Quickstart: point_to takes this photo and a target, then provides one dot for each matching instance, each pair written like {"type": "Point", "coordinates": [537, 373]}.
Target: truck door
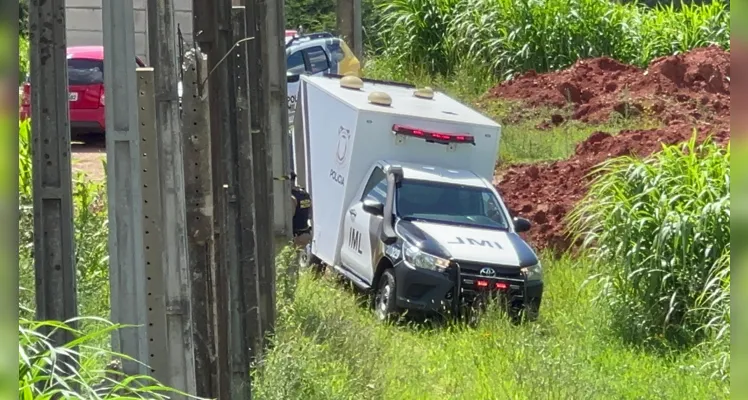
{"type": "Point", "coordinates": [360, 228]}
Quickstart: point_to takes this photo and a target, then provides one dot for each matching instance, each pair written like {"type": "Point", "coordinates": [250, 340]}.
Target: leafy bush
{"type": "Point", "coordinates": [509, 37]}
{"type": "Point", "coordinates": [659, 231]}
{"type": "Point", "coordinates": [44, 369]}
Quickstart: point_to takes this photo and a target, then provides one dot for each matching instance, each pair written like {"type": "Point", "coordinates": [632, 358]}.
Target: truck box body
{"type": "Point", "coordinates": [344, 135]}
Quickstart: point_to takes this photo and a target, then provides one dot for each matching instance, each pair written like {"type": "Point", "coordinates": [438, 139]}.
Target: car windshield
{"type": "Point", "coordinates": [85, 72]}
{"type": "Point", "coordinates": [449, 204]}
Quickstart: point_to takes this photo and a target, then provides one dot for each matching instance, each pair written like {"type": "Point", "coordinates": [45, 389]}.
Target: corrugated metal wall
{"type": "Point", "coordinates": [84, 24]}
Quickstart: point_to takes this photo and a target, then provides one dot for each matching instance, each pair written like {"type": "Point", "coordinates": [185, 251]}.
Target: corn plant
{"type": "Point", "coordinates": [74, 371]}
{"type": "Point", "coordinates": [412, 32]}
{"type": "Point", "coordinates": [659, 231]}
{"type": "Point", "coordinates": [510, 37]}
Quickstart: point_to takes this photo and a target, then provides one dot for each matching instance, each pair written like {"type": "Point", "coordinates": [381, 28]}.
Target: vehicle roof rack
{"type": "Point", "coordinates": [310, 36]}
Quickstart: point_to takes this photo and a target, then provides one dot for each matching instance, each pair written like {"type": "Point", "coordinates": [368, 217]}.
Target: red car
{"type": "Point", "coordinates": [85, 90]}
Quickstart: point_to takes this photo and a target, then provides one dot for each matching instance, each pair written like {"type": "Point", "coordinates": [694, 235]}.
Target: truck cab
{"type": "Point", "coordinates": [447, 225]}
{"type": "Point", "coordinates": [402, 200]}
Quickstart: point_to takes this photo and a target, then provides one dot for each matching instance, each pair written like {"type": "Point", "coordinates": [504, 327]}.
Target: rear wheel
{"type": "Point", "coordinates": [309, 260]}
{"type": "Point", "coordinates": [385, 307]}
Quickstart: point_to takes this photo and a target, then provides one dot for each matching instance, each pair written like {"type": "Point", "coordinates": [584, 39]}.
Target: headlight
{"type": "Point", "coordinates": [533, 273]}
{"type": "Point", "coordinates": [414, 257]}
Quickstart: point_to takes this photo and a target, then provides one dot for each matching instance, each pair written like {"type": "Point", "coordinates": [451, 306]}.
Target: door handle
{"type": "Point", "coordinates": [352, 212]}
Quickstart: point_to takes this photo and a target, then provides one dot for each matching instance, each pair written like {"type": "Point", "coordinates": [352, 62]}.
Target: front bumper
{"type": "Point", "coordinates": [431, 291]}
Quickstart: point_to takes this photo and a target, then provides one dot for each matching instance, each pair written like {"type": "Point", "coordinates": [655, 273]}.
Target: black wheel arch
{"type": "Point", "coordinates": [384, 263]}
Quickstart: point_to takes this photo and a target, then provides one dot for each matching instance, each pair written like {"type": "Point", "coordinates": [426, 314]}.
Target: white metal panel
{"type": "Point", "coordinates": [332, 132]}
{"type": "Point", "coordinates": [441, 108]}
{"type": "Point", "coordinates": [380, 143]}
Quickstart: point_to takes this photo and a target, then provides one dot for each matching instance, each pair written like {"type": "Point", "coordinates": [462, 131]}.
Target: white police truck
{"type": "Point", "coordinates": [403, 205]}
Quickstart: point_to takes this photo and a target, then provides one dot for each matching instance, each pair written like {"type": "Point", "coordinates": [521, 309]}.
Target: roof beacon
{"type": "Point", "coordinates": [424, 93]}
{"type": "Point", "coordinates": [380, 99]}
{"type": "Point", "coordinates": [433, 137]}
{"type": "Point", "coordinates": [351, 82]}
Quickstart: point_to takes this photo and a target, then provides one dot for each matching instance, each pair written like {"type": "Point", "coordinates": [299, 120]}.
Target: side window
{"type": "Point", "coordinates": [295, 63]}
{"type": "Point", "coordinates": [337, 53]}
{"type": "Point", "coordinates": [317, 59]}
{"type": "Point", "coordinates": [376, 187]}
{"type": "Point", "coordinates": [491, 209]}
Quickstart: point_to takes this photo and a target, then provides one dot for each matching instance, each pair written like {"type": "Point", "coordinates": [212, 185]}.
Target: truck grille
{"type": "Point", "coordinates": [507, 282]}
{"type": "Point", "coordinates": [501, 271]}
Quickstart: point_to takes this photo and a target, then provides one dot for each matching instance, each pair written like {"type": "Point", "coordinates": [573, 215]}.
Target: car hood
{"type": "Point", "coordinates": [469, 244]}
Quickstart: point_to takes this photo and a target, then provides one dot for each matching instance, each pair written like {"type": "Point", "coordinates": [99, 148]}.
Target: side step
{"type": "Point", "coordinates": [352, 277]}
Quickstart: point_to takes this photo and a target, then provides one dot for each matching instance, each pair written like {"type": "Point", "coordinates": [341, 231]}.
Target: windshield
{"type": "Point", "coordinates": [450, 204]}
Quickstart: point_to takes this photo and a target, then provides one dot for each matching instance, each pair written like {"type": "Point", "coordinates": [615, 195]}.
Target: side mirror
{"type": "Point", "coordinates": [292, 78]}
{"type": "Point", "coordinates": [521, 224]}
{"type": "Point", "coordinates": [373, 207]}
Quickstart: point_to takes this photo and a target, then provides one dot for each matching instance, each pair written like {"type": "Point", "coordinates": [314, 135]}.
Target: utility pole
{"type": "Point", "coordinates": [124, 195]}
{"type": "Point", "coordinates": [162, 52]}
{"type": "Point", "coordinates": [349, 25]}
{"type": "Point", "coordinates": [152, 229]}
{"type": "Point", "coordinates": [205, 27]}
{"type": "Point", "coordinates": [269, 120]}
{"type": "Point", "coordinates": [223, 88]}
{"type": "Point", "coordinates": [199, 199]}
{"type": "Point", "coordinates": [245, 183]}
{"type": "Point", "coordinates": [54, 256]}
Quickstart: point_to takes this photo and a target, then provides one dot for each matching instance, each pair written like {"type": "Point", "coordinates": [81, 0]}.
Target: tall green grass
{"type": "Point", "coordinates": [504, 37]}
{"type": "Point", "coordinates": [659, 232]}
{"type": "Point", "coordinates": [74, 371]}
{"type": "Point", "coordinates": [329, 347]}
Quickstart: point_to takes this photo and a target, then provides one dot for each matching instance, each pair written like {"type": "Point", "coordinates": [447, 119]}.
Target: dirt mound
{"type": "Point", "coordinates": [546, 193]}
{"type": "Point", "coordinates": [693, 87]}
{"type": "Point", "coordinates": [686, 92]}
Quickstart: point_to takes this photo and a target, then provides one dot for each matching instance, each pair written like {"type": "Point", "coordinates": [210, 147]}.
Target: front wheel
{"type": "Point", "coordinates": [385, 307]}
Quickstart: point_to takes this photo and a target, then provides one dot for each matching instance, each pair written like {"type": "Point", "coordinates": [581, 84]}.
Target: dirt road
{"type": "Point", "coordinates": [88, 158]}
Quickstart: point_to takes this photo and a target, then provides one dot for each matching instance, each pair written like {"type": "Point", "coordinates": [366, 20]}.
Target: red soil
{"type": "Point", "coordinates": [686, 92]}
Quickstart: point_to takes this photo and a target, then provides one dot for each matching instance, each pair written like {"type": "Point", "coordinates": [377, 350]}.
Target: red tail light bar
{"type": "Point", "coordinates": [433, 137]}
{"type": "Point", "coordinates": [484, 284]}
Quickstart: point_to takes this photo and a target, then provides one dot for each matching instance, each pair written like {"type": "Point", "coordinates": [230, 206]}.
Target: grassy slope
{"type": "Point", "coordinates": [329, 347]}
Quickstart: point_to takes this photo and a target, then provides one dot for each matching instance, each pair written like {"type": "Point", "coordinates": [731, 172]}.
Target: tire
{"type": "Point", "coordinates": [385, 297]}
{"type": "Point", "coordinates": [309, 260]}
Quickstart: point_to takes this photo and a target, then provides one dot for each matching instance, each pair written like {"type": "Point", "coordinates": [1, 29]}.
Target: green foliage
{"type": "Point", "coordinates": [25, 182]}
{"type": "Point", "coordinates": [23, 58]}
{"type": "Point", "coordinates": [510, 37]}
{"type": "Point", "coordinates": [42, 365]}
{"type": "Point", "coordinates": [91, 235]}
{"type": "Point", "coordinates": [659, 232]}
{"type": "Point", "coordinates": [44, 368]}
{"type": "Point", "coordinates": [320, 15]}
{"type": "Point", "coordinates": [328, 346]}
{"type": "Point", "coordinates": [23, 18]}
